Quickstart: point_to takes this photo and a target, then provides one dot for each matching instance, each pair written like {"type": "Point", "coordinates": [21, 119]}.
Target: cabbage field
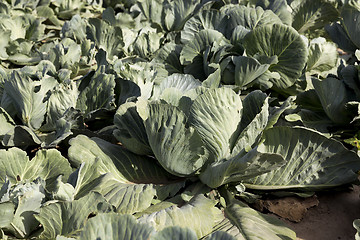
{"type": "Point", "coordinates": [170, 119]}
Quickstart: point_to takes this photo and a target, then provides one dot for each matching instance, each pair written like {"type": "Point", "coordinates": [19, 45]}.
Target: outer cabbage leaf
{"type": "Point", "coordinates": [245, 223]}
{"type": "Point", "coordinates": [182, 82]}
{"type": "Point", "coordinates": [63, 97]}
{"type": "Point", "coordinates": [247, 70]}
{"type": "Point", "coordinates": [6, 122]}
{"type": "Point", "coordinates": [279, 7]}
{"type": "Point", "coordinates": [333, 107]}
{"type": "Point", "coordinates": [339, 36]}
{"type": "Point", "coordinates": [239, 168]}
{"type": "Point", "coordinates": [175, 233]}
{"type": "Point", "coordinates": [47, 164]}
{"type": "Point", "coordinates": [152, 10]}
{"type": "Point", "coordinates": [253, 122]}
{"type": "Point", "coordinates": [350, 76]}
{"type": "Point", "coordinates": [172, 89]}
{"type": "Point", "coordinates": [205, 19]}
{"type": "Point", "coordinates": [7, 210]}
{"type": "Point", "coordinates": [199, 214]}
{"type": "Point", "coordinates": [322, 56]}
{"type": "Point", "coordinates": [147, 43]}
{"type": "Point", "coordinates": [220, 235]}
{"type": "Point", "coordinates": [128, 181]}
{"type": "Point", "coordinates": [28, 198]}
{"type": "Point", "coordinates": [131, 130]}
{"type": "Point", "coordinates": [216, 115]}
{"type": "Point", "coordinates": [248, 17]}
{"type": "Point", "coordinates": [178, 148]}
{"type": "Point", "coordinates": [194, 55]}
{"type": "Point", "coordinates": [98, 93]}
{"type": "Point", "coordinates": [312, 161]}
{"type": "Point", "coordinates": [68, 218]}
{"type": "Point", "coordinates": [105, 36]}
{"type": "Point", "coordinates": [115, 226]}
{"type": "Point", "coordinates": [141, 73]}
{"type": "Point", "coordinates": [351, 18]}
{"type": "Point", "coordinates": [177, 12]}
{"type": "Point", "coordinates": [285, 43]}
{"type": "Point", "coordinates": [20, 136]}
{"type": "Point", "coordinates": [168, 56]}
{"type": "Point", "coordinates": [28, 97]}
{"type": "Point", "coordinates": [67, 8]}
{"type": "Point", "coordinates": [74, 28]}
{"type": "Point", "coordinates": [25, 26]}
{"type": "Point", "coordinates": [313, 15]}
{"type": "Point", "coordinates": [64, 55]}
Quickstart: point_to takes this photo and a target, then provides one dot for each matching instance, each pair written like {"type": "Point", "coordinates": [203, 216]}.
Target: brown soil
{"type": "Point", "coordinates": [331, 219]}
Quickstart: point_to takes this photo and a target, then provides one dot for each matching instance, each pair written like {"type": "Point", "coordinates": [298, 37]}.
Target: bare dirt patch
{"type": "Point", "coordinates": [331, 219]}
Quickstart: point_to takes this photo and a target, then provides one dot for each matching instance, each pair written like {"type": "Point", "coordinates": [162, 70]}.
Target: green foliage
{"type": "Point", "coordinates": [142, 119]}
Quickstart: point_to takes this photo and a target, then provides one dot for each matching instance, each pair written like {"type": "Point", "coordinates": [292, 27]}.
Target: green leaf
{"type": "Point", "coordinates": [247, 70]}
{"type": "Point", "coordinates": [221, 235]}
{"type": "Point", "coordinates": [65, 54]}
{"type": "Point", "coordinates": [216, 115]}
{"type": "Point", "coordinates": [251, 224]}
{"type": "Point", "coordinates": [312, 15]}
{"type": "Point", "coordinates": [20, 136]}
{"type": "Point", "coordinates": [105, 36]}
{"type": "Point", "coordinates": [62, 191]}
{"type": "Point", "coordinates": [152, 10]}
{"type": "Point", "coordinates": [322, 56]}
{"type": "Point", "coordinates": [339, 36]}
{"type": "Point", "coordinates": [174, 87]}
{"type": "Point", "coordinates": [98, 93]}
{"type": "Point", "coordinates": [198, 44]}
{"type": "Point", "coordinates": [147, 43]}
{"type": "Point", "coordinates": [68, 218]}
{"type": "Point", "coordinates": [63, 97]}
{"type": "Point", "coordinates": [28, 198]}
{"type": "Point", "coordinates": [169, 56]}
{"type": "Point", "coordinates": [6, 122]}
{"type": "Point", "coordinates": [7, 210]}
{"type": "Point", "coordinates": [194, 54]}
{"type": "Point", "coordinates": [248, 17]}
{"type": "Point", "coordinates": [351, 17]}
{"type": "Point", "coordinates": [115, 226]}
{"type": "Point", "coordinates": [28, 97]}
{"type": "Point", "coordinates": [14, 162]}
{"type": "Point", "coordinates": [47, 164]}
{"type": "Point", "coordinates": [312, 161]}
{"type": "Point", "coordinates": [177, 12]}
{"type": "Point", "coordinates": [316, 120]}
{"type": "Point", "coordinates": [175, 233]}
{"type": "Point", "coordinates": [333, 107]}
{"type": "Point", "coordinates": [239, 168]}
{"type": "Point", "coordinates": [128, 181]}
{"type": "Point", "coordinates": [205, 19]}
{"type": "Point", "coordinates": [253, 122]}
{"type": "Point", "coordinates": [75, 29]}
{"type": "Point", "coordinates": [279, 7]}
{"type": "Point", "coordinates": [182, 82]}
{"type": "Point", "coordinates": [131, 130]}
{"type": "Point", "coordinates": [200, 210]}
{"type": "Point", "coordinates": [285, 43]}
{"type": "Point", "coordinates": [178, 148]}
{"type": "Point", "coordinates": [4, 43]}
